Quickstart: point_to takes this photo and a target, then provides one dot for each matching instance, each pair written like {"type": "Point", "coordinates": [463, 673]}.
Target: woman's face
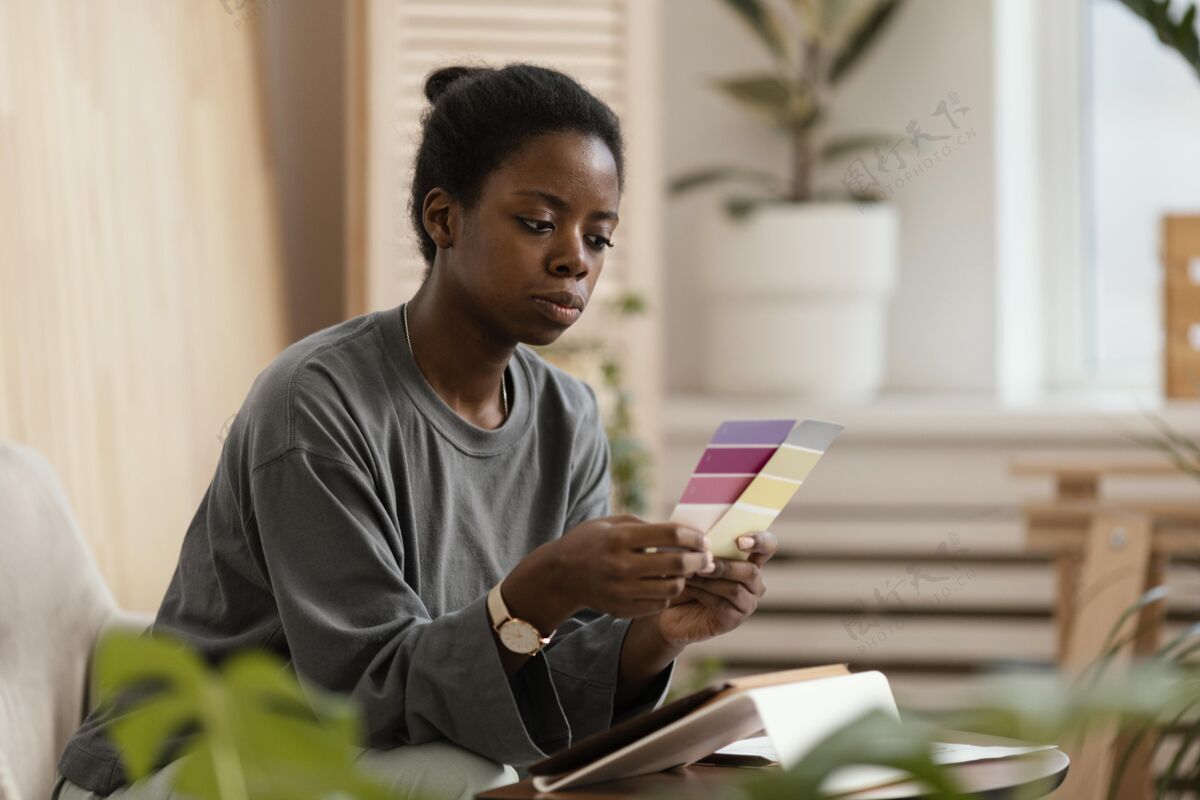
{"type": "Point", "coordinates": [530, 252]}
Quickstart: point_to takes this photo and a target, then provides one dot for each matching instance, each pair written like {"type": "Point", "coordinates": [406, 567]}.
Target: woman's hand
{"type": "Point", "coordinates": [722, 598]}
{"type": "Point", "coordinates": [602, 564]}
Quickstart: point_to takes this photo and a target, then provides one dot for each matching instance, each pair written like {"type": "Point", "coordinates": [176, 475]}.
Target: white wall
{"type": "Point", "coordinates": [943, 321]}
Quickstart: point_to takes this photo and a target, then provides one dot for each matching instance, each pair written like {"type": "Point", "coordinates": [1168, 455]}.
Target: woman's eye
{"type": "Point", "coordinates": [533, 223]}
{"type": "Point", "coordinates": [597, 242]}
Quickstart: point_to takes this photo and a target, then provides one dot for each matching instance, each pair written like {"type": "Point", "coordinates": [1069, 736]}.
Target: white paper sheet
{"type": "Point", "coordinates": [798, 716]}
{"type": "Point", "coordinates": [858, 777]}
{"type": "Point", "coordinates": [754, 746]}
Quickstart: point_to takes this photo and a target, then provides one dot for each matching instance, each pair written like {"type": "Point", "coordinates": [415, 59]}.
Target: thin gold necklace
{"type": "Point", "coordinates": [408, 340]}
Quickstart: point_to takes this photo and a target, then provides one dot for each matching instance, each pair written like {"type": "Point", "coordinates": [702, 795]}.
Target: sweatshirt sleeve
{"type": "Point", "coordinates": [584, 657]}
{"type": "Point", "coordinates": [590, 483]}
{"type": "Point", "coordinates": [353, 625]}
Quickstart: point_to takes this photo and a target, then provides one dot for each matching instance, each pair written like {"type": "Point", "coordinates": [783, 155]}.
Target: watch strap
{"type": "Point", "coordinates": [497, 610]}
{"type": "Point", "coordinates": [499, 614]}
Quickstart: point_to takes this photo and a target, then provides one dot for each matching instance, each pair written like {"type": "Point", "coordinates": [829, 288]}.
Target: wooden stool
{"type": "Point", "coordinates": [1106, 555]}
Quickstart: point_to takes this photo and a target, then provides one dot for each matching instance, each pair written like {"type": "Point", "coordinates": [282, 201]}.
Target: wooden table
{"type": "Point", "coordinates": [1026, 777]}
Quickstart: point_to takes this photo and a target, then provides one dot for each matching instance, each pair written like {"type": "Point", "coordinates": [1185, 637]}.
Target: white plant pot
{"type": "Point", "coordinates": [798, 301]}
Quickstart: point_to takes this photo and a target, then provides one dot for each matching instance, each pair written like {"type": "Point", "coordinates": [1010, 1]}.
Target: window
{"type": "Point", "coordinates": [1139, 160]}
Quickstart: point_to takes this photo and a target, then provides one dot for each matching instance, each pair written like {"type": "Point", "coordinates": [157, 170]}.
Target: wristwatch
{"type": "Point", "coordinates": [515, 634]}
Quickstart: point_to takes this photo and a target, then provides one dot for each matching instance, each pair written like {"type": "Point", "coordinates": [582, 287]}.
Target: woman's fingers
{"type": "Point", "coordinates": [744, 596]}
{"type": "Point", "coordinates": [658, 588]}
{"type": "Point", "coordinates": [683, 597]}
{"type": "Point", "coordinates": [643, 607]}
{"type": "Point", "coordinates": [710, 601]}
{"type": "Point", "coordinates": [733, 596]}
{"type": "Point", "coordinates": [725, 569]}
{"type": "Point", "coordinates": [740, 582]}
{"type": "Point", "coordinates": [684, 562]}
{"type": "Point", "coordinates": [657, 536]}
{"type": "Point", "coordinates": [760, 545]}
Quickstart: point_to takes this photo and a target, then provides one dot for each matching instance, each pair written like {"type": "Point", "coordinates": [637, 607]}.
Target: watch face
{"type": "Point", "coordinates": [520, 637]}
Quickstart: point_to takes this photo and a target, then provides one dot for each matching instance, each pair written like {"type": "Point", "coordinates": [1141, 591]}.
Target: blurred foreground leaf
{"type": "Point", "coordinates": [246, 732]}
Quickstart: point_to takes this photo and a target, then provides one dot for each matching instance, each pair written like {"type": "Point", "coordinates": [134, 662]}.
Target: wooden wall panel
{"type": "Point", "coordinates": [140, 288]}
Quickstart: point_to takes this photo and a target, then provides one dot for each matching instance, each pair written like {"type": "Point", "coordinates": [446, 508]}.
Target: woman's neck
{"type": "Point", "coordinates": [462, 360]}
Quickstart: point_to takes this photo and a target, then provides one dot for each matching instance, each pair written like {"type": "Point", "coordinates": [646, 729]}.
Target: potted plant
{"type": "Point", "coordinates": [801, 275]}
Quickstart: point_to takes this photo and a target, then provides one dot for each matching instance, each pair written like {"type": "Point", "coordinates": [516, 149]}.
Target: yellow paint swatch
{"type": "Point", "coordinates": [769, 492]}
{"type": "Point", "coordinates": [791, 462]}
{"type": "Point", "coordinates": [737, 520]}
{"type": "Point", "coordinates": [760, 503]}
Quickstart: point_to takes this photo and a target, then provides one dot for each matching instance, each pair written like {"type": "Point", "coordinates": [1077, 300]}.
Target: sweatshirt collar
{"type": "Point", "coordinates": [468, 437]}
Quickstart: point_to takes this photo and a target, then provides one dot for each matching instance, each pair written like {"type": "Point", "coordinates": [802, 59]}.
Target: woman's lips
{"type": "Point", "coordinates": [557, 313]}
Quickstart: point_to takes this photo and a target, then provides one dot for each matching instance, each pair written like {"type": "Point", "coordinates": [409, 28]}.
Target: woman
{"type": "Point", "coordinates": [412, 506]}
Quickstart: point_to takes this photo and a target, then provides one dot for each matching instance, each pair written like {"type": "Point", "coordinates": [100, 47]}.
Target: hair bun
{"type": "Point", "coordinates": [438, 81]}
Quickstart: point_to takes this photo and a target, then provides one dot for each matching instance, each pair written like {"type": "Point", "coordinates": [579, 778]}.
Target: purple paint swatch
{"type": "Point", "coordinates": [715, 490]}
{"type": "Point", "coordinates": [759, 431]}
{"type": "Point", "coordinates": [734, 460]}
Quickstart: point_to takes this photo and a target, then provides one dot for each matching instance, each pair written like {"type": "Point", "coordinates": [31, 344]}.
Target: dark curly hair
{"type": "Point", "coordinates": [479, 116]}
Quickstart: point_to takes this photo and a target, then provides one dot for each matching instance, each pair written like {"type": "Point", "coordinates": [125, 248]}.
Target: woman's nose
{"type": "Point", "coordinates": [571, 261]}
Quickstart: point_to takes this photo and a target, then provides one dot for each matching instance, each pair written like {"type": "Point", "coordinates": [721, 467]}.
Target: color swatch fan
{"type": "Point", "coordinates": [748, 473]}
{"type": "Point", "coordinates": [734, 456]}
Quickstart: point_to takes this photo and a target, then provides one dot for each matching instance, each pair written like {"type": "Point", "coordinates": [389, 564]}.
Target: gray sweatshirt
{"type": "Point", "coordinates": [354, 526]}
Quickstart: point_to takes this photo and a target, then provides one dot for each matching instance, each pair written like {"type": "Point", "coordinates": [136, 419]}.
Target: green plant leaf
{"type": "Point", "coordinates": [862, 37]}
{"type": "Point", "coordinates": [125, 660]}
{"type": "Point", "coordinates": [1182, 654]}
{"type": "Point", "coordinates": [1180, 36]}
{"type": "Point", "coordinates": [1191, 633]}
{"type": "Point", "coordinates": [261, 683]}
{"type": "Point", "coordinates": [699, 674]}
{"type": "Point", "coordinates": [142, 734]}
{"type": "Point", "coordinates": [1112, 644]}
{"type": "Point", "coordinates": [765, 23]}
{"type": "Point", "coordinates": [704, 177]}
{"type": "Point", "coordinates": [741, 207]}
{"type": "Point", "coordinates": [151, 685]}
{"type": "Point", "coordinates": [1181, 443]}
{"type": "Point", "coordinates": [769, 95]}
{"type": "Point", "coordinates": [809, 15]}
{"type": "Point", "coordinates": [196, 778]}
{"type": "Point", "coordinates": [1184, 747]}
{"type": "Point", "coordinates": [1125, 757]}
{"type": "Point", "coordinates": [258, 733]}
{"type": "Point", "coordinates": [630, 303]}
{"type": "Point", "coordinates": [1173, 453]}
{"type": "Point", "coordinates": [845, 145]}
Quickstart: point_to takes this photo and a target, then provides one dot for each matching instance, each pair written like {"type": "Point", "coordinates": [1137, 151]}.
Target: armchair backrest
{"type": "Point", "coordinates": [53, 602]}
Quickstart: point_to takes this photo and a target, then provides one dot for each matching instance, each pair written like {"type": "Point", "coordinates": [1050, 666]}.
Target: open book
{"type": "Point", "coordinates": [797, 708]}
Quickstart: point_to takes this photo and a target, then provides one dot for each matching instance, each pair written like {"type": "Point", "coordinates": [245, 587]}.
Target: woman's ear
{"type": "Point", "coordinates": [440, 215]}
